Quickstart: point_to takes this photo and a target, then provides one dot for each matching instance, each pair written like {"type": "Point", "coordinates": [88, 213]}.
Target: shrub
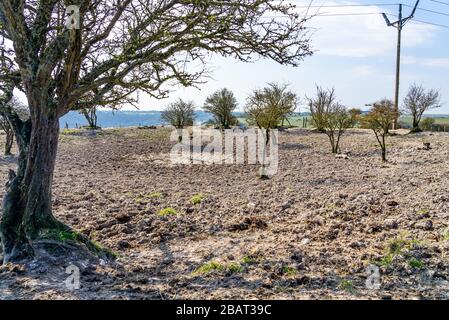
{"type": "Point", "coordinates": [267, 108]}
{"type": "Point", "coordinates": [380, 118]}
{"type": "Point", "coordinates": [221, 104]}
{"type": "Point", "coordinates": [335, 122]}
{"type": "Point", "coordinates": [320, 105]}
{"type": "Point", "coordinates": [355, 114]}
{"type": "Point", "coordinates": [418, 101]}
{"type": "Point", "coordinates": [179, 114]}
{"type": "Point", "coordinates": [427, 124]}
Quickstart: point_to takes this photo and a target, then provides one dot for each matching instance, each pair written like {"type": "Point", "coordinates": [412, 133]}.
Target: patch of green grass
{"type": "Point", "coordinates": [62, 235]}
{"type": "Point", "coordinates": [154, 195]}
{"type": "Point", "coordinates": [197, 199]}
{"type": "Point", "coordinates": [446, 235]}
{"type": "Point", "coordinates": [209, 267]}
{"type": "Point", "coordinates": [220, 267]}
{"type": "Point", "coordinates": [234, 268]}
{"type": "Point", "coordinates": [99, 248]}
{"type": "Point", "coordinates": [249, 260]}
{"type": "Point", "coordinates": [395, 248]}
{"type": "Point", "coordinates": [70, 132]}
{"type": "Point", "coordinates": [416, 264]}
{"type": "Point", "coordinates": [347, 285]}
{"type": "Point", "coordinates": [385, 261]}
{"type": "Point", "coordinates": [144, 198]}
{"type": "Point", "coordinates": [423, 211]}
{"type": "Point", "coordinates": [167, 211]}
{"type": "Point", "coordinates": [289, 271]}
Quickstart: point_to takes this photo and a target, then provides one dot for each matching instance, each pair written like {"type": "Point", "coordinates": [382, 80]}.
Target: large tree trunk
{"type": "Point", "coordinates": [27, 209]}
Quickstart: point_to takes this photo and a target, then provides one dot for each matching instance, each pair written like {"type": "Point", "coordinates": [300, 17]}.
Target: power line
{"type": "Point", "coordinates": [331, 14]}
{"type": "Point", "coordinates": [441, 2]}
{"type": "Point", "coordinates": [346, 14]}
{"type": "Point", "coordinates": [431, 23]}
{"type": "Point", "coordinates": [350, 5]}
{"type": "Point", "coordinates": [427, 10]}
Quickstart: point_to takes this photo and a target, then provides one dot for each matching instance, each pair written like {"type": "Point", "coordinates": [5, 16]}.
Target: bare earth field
{"type": "Point", "coordinates": [308, 233]}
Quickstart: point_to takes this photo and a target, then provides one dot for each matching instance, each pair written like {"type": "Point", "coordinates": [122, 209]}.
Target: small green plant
{"type": "Point", "coordinates": [395, 248]}
{"type": "Point", "coordinates": [347, 285]}
{"type": "Point", "coordinates": [99, 248]}
{"type": "Point", "coordinates": [209, 267]}
{"type": "Point", "coordinates": [129, 194]}
{"type": "Point", "coordinates": [446, 235]}
{"type": "Point", "coordinates": [167, 211]}
{"type": "Point", "coordinates": [197, 199]}
{"type": "Point", "coordinates": [385, 261]}
{"type": "Point", "coordinates": [423, 212]}
{"type": "Point", "coordinates": [62, 235]}
{"type": "Point", "coordinates": [416, 264]}
{"type": "Point", "coordinates": [234, 268]}
{"type": "Point", "coordinates": [249, 260]}
{"type": "Point", "coordinates": [154, 195]}
{"type": "Point", "coordinates": [220, 267]}
{"type": "Point", "coordinates": [289, 271]}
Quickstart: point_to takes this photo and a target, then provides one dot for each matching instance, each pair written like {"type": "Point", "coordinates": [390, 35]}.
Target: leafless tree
{"type": "Point", "coordinates": [418, 101]}
{"type": "Point", "coordinates": [91, 116]}
{"type": "Point", "coordinates": [114, 50]}
{"type": "Point", "coordinates": [320, 105]}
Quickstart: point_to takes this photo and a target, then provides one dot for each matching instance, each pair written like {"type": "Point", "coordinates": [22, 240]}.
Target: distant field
{"type": "Point", "coordinates": [297, 121]}
{"type": "Point", "coordinates": [438, 119]}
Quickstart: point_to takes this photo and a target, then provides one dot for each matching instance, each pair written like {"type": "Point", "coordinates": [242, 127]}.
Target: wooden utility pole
{"type": "Point", "coordinates": [399, 25]}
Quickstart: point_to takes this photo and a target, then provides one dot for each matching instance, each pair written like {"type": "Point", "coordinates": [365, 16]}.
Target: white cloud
{"type": "Point", "coordinates": [360, 35]}
{"type": "Point", "coordinates": [363, 71]}
{"type": "Point", "coordinates": [427, 62]}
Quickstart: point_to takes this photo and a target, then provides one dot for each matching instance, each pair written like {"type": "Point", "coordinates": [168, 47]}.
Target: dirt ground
{"type": "Point", "coordinates": [313, 231]}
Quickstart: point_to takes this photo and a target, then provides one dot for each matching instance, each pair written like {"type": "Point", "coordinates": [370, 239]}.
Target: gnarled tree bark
{"type": "Point", "coordinates": [27, 206]}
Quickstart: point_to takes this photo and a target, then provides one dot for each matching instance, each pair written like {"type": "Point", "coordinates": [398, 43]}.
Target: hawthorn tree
{"type": "Point", "coordinates": [179, 114]}
{"type": "Point", "coordinates": [418, 101]}
{"type": "Point", "coordinates": [355, 114]}
{"type": "Point", "coordinates": [103, 54]}
{"type": "Point", "coordinates": [380, 119]}
{"type": "Point", "coordinates": [91, 117]}
{"type": "Point", "coordinates": [320, 105]}
{"type": "Point", "coordinates": [221, 104]}
{"type": "Point", "coordinates": [266, 108]}
{"type": "Point", "coordinates": [335, 120]}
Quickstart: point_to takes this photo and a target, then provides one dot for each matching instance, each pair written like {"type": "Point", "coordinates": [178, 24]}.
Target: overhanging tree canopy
{"type": "Point", "coordinates": [120, 48]}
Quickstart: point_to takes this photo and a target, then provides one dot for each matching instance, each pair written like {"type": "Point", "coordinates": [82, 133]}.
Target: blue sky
{"type": "Point", "coordinates": [355, 54]}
